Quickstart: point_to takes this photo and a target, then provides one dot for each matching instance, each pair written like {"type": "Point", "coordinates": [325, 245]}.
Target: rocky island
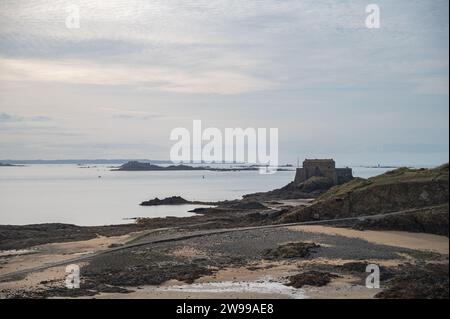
{"type": "Point", "coordinates": [141, 166]}
{"type": "Point", "coordinates": [9, 165]}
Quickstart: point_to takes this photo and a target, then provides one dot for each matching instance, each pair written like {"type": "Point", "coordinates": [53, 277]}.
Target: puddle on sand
{"type": "Point", "coordinates": [259, 287]}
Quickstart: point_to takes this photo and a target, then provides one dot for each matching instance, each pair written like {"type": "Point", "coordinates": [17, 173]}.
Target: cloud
{"type": "Point", "coordinates": [309, 67]}
{"type": "Point", "coordinates": [146, 77]}
{"type": "Point", "coordinates": [415, 148]}
{"type": "Point", "coordinates": [433, 85]}
{"type": "Point", "coordinates": [125, 115]}
{"type": "Point", "coordinates": [6, 117]}
{"type": "Point", "coordinates": [221, 46]}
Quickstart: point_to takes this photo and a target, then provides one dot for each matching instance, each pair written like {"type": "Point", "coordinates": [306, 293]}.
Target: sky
{"type": "Point", "coordinates": [134, 70]}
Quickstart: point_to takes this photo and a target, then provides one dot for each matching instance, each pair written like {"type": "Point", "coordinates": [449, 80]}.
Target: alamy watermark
{"type": "Point", "coordinates": [373, 280]}
{"type": "Point", "coordinates": [73, 18]}
{"type": "Point", "coordinates": [235, 145]}
{"type": "Point", "coordinates": [73, 277]}
{"type": "Point", "coordinates": [373, 19]}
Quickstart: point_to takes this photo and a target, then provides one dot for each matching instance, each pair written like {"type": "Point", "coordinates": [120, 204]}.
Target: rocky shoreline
{"type": "Point", "coordinates": [254, 238]}
{"type": "Point", "coordinates": [302, 264]}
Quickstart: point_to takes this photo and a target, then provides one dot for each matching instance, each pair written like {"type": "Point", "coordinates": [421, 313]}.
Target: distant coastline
{"type": "Point", "coordinates": [9, 165]}
{"type": "Point", "coordinates": [80, 161]}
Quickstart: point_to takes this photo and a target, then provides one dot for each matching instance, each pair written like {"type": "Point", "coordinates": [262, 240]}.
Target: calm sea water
{"type": "Point", "coordinates": [70, 194]}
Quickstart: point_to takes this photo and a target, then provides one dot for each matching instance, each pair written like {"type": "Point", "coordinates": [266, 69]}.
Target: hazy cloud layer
{"type": "Point", "coordinates": [136, 69]}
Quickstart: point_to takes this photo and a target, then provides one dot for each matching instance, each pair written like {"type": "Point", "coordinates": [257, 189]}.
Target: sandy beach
{"type": "Point", "coordinates": [227, 269]}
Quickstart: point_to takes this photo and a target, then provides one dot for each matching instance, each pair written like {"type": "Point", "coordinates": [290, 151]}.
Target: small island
{"type": "Point", "coordinates": [174, 200]}
{"type": "Point", "coordinates": [141, 166]}
{"type": "Point", "coordinates": [10, 165]}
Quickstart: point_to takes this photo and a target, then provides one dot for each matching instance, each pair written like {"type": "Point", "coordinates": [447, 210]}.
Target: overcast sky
{"type": "Point", "coordinates": [134, 70]}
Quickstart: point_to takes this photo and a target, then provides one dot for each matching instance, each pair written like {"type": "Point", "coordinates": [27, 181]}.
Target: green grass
{"type": "Point", "coordinates": [400, 175]}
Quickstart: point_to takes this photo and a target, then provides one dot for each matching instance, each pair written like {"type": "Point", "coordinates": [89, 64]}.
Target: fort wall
{"type": "Point", "coordinates": [323, 168]}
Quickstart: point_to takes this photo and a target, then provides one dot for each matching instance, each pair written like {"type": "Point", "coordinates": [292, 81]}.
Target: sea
{"type": "Point", "coordinates": [92, 195]}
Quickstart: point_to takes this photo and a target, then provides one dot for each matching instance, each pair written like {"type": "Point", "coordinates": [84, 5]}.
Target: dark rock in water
{"type": "Point", "coordinates": [200, 210]}
{"type": "Point", "coordinates": [174, 200]}
{"type": "Point", "coordinates": [139, 166]}
{"type": "Point", "coordinates": [10, 165]}
{"type": "Point", "coordinates": [291, 250]}
{"type": "Point", "coordinates": [311, 278]}
{"type": "Point", "coordinates": [229, 205]}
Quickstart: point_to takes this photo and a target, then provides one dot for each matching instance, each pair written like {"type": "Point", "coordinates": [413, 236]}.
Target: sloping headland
{"type": "Point", "coordinates": [422, 194]}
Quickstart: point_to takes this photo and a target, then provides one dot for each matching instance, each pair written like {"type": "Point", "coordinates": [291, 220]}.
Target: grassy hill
{"type": "Point", "coordinates": [397, 190]}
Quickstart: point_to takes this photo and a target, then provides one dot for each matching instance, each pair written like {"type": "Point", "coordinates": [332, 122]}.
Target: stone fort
{"type": "Point", "coordinates": [323, 168]}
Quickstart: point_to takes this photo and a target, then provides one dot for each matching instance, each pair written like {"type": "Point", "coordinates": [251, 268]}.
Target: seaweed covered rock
{"type": "Point", "coordinates": [291, 250]}
{"type": "Point", "coordinates": [311, 278]}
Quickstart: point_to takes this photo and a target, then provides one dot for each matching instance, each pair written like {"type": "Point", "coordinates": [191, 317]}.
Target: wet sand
{"type": "Point", "coordinates": [417, 241]}
{"type": "Point", "coordinates": [50, 253]}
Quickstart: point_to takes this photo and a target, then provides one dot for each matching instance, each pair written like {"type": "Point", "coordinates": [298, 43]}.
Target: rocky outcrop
{"type": "Point", "coordinates": [311, 278]}
{"type": "Point", "coordinates": [397, 190]}
{"type": "Point", "coordinates": [311, 188]}
{"type": "Point", "coordinates": [430, 281]}
{"type": "Point", "coordinates": [139, 166]}
{"type": "Point", "coordinates": [433, 220]}
{"type": "Point", "coordinates": [234, 205]}
{"type": "Point", "coordinates": [174, 200]}
{"type": "Point", "coordinates": [290, 251]}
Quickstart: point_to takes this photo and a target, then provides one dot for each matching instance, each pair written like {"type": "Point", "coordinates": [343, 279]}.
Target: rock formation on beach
{"type": "Point", "coordinates": [312, 180]}
{"type": "Point", "coordinates": [421, 193]}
